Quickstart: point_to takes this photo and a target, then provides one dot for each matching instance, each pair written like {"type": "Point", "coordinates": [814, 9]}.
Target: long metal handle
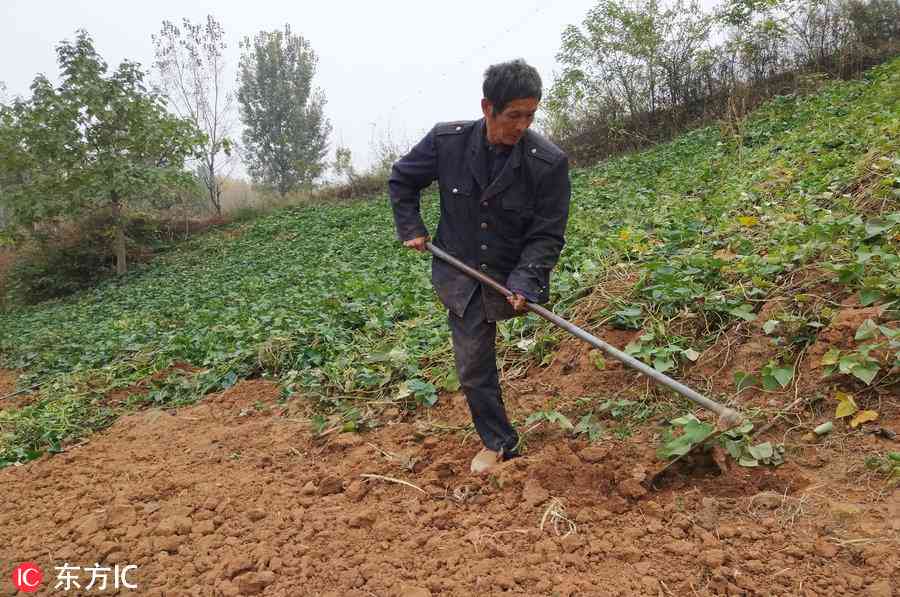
{"type": "Point", "coordinates": [728, 417]}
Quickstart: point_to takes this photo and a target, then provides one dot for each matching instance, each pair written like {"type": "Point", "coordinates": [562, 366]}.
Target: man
{"type": "Point", "coordinates": [504, 206]}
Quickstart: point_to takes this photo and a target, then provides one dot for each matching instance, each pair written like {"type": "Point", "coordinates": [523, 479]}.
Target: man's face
{"type": "Point", "coordinates": [508, 126]}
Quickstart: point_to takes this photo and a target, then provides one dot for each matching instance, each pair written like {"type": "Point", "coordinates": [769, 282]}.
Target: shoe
{"type": "Point", "coordinates": [485, 461]}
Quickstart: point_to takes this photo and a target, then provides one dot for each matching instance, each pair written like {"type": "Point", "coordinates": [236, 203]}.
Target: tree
{"type": "Point", "coordinates": [97, 141]}
{"type": "Point", "coordinates": [343, 164]}
{"type": "Point", "coordinates": [286, 132]}
{"type": "Point", "coordinates": [192, 69]}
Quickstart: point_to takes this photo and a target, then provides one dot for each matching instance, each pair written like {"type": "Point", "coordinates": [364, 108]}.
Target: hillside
{"type": "Point", "coordinates": [758, 261]}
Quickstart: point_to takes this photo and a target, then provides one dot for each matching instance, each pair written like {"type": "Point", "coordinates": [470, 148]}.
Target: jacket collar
{"type": "Point", "coordinates": [478, 162]}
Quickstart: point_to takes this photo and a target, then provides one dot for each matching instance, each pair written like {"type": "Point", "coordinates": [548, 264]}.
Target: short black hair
{"type": "Point", "coordinates": [510, 81]}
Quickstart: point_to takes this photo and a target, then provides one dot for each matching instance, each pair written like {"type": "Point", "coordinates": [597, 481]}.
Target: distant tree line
{"type": "Point", "coordinates": [639, 71]}
{"type": "Point", "coordinates": [87, 164]}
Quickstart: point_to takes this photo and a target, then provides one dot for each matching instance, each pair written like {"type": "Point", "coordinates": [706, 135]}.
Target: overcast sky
{"type": "Point", "coordinates": [386, 67]}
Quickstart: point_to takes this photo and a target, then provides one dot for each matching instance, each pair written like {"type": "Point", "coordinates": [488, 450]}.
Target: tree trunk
{"type": "Point", "coordinates": [119, 244]}
{"type": "Point", "coordinates": [215, 195]}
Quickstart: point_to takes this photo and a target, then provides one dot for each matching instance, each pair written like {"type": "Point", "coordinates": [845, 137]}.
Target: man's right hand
{"type": "Point", "coordinates": [417, 244]}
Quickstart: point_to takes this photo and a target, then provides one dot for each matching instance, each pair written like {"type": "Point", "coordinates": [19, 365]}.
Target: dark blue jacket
{"type": "Point", "coordinates": [511, 228]}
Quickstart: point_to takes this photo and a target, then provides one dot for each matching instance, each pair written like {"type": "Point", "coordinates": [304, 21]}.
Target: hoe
{"type": "Point", "coordinates": [727, 417]}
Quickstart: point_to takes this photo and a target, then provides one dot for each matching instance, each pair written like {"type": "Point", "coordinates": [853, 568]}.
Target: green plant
{"type": "Point", "coordinates": [423, 391]}
{"type": "Point", "coordinates": [588, 427]}
{"type": "Point", "coordinates": [887, 465]}
{"type": "Point", "coordinates": [683, 434]}
{"type": "Point", "coordinates": [707, 243]}
{"type": "Point", "coordinates": [737, 442]}
{"type": "Point", "coordinates": [551, 416]}
{"type": "Point", "coordinates": [859, 363]}
{"type": "Point", "coordinates": [688, 431]}
{"type": "Point", "coordinates": [662, 356]}
{"type": "Point", "coordinates": [776, 375]}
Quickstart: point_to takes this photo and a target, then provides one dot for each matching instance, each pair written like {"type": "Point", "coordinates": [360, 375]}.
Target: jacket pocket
{"type": "Point", "coordinates": [517, 214]}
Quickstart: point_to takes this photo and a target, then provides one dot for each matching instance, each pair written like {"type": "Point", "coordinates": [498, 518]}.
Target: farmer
{"type": "Point", "coordinates": [504, 205]}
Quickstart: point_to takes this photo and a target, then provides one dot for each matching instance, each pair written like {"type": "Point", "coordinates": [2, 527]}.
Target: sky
{"type": "Point", "coordinates": [389, 70]}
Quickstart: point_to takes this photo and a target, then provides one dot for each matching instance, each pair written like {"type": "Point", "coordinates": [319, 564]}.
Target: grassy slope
{"type": "Point", "coordinates": [324, 297]}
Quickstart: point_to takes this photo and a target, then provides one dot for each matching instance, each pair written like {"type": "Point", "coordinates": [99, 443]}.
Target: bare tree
{"type": "Point", "coordinates": [192, 70]}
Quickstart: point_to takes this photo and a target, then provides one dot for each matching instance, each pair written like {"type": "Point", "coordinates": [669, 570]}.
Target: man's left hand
{"type": "Point", "coordinates": [517, 301]}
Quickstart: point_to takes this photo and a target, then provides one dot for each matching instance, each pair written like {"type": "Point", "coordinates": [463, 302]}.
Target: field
{"type": "Point", "coordinates": [272, 408]}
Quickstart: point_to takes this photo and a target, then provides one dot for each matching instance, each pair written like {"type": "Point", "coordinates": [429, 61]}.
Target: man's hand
{"type": "Point", "coordinates": [517, 301]}
{"type": "Point", "coordinates": [417, 244]}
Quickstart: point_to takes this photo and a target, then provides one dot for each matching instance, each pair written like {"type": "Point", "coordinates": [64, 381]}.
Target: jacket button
{"type": "Point", "coordinates": [484, 204]}
{"type": "Point", "coordinates": [533, 150]}
{"type": "Point", "coordinates": [484, 267]}
{"type": "Point", "coordinates": [455, 190]}
{"type": "Point", "coordinates": [484, 225]}
{"type": "Point", "coordinates": [484, 247]}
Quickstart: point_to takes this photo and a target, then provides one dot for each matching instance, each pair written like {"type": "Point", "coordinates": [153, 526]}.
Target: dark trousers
{"type": "Point", "coordinates": [476, 365]}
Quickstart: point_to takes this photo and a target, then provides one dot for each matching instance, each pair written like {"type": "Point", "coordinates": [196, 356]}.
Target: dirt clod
{"type": "Point", "coordinates": [254, 583]}
{"type": "Point", "coordinates": [632, 488]}
{"type": "Point", "coordinates": [881, 588]}
{"type": "Point", "coordinates": [533, 494]}
{"type": "Point", "coordinates": [330, 486]}
{"type": "Point", "coordinates": [238, 565]}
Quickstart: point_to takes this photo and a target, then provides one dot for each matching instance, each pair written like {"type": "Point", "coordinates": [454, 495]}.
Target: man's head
{"type": "Point", "coordinates": [512, 91]}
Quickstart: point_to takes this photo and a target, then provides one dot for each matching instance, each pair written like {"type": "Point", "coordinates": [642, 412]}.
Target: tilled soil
{"type": "Point", "coordinates": [234, 496]}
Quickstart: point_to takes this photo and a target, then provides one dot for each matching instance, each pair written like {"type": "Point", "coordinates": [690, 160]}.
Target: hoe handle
{"type": "Point", "coordinates": [728, 417]}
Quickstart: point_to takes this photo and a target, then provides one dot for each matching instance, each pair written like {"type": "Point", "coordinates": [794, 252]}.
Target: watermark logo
{"type": "Point", "coordinates": [27, 577]}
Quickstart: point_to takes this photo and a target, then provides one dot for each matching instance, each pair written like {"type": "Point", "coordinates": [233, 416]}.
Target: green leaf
{"type": "Point", "coordinates": [743, 380]}
{"type": "Point", "coordinates": [889, 332]}
{"type": "Point", "coordinates": [691, 354]}
{"type": "Point", "coordinates": [451, 382]}
{"type": "Point", "coordinates": [865, 373]}
{"type": "Point", "coordinates": [663, 364]}
{"type": "Point", "coordinates": [534, 418]}
{"type": "Point", "coordinates": [783, 375]}
{"type": "Point", "coordinates": [561, 419]}
{"type": "Point", "coordinates": [685, 420]}
{"type": "Point", "coordinates": [866, 330]}
{"type": "Point", "coordinates": [770, 383]}
{"type": "Point", "coordinates": [228, 380]}
{"type": "Point", "coordinates": [869, 296]}
{"type": "Point", "coordinates": [744, 312]}
{"type": "Point", "coordinates": [831, 357]}
{"type": "Point", "coordinates": [770, 326]}
{"type": "Point", "coordinates": [761, 451]}
{"type": "Point", "coordinates": [877, 226]}
{"type": "Point", "coordinates": [693, 432]}
{"type": "Point", "coordinates": [745, 427]}
{"type": "Point", "coordinates": [734, 447]}
{"type": "Point", "coordinates": [847, 363]}
{"type": "Point", "coordinates": [597, 360]}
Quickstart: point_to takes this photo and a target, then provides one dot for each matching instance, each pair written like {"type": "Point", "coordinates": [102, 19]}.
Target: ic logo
{"type": "Point", "coordinates": [27, 577]}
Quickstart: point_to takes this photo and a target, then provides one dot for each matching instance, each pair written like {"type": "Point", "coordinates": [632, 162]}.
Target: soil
{"type": "Point", "coordinates": [8, 379]}
{"type": "Point", "coordinates": [235, 496]}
